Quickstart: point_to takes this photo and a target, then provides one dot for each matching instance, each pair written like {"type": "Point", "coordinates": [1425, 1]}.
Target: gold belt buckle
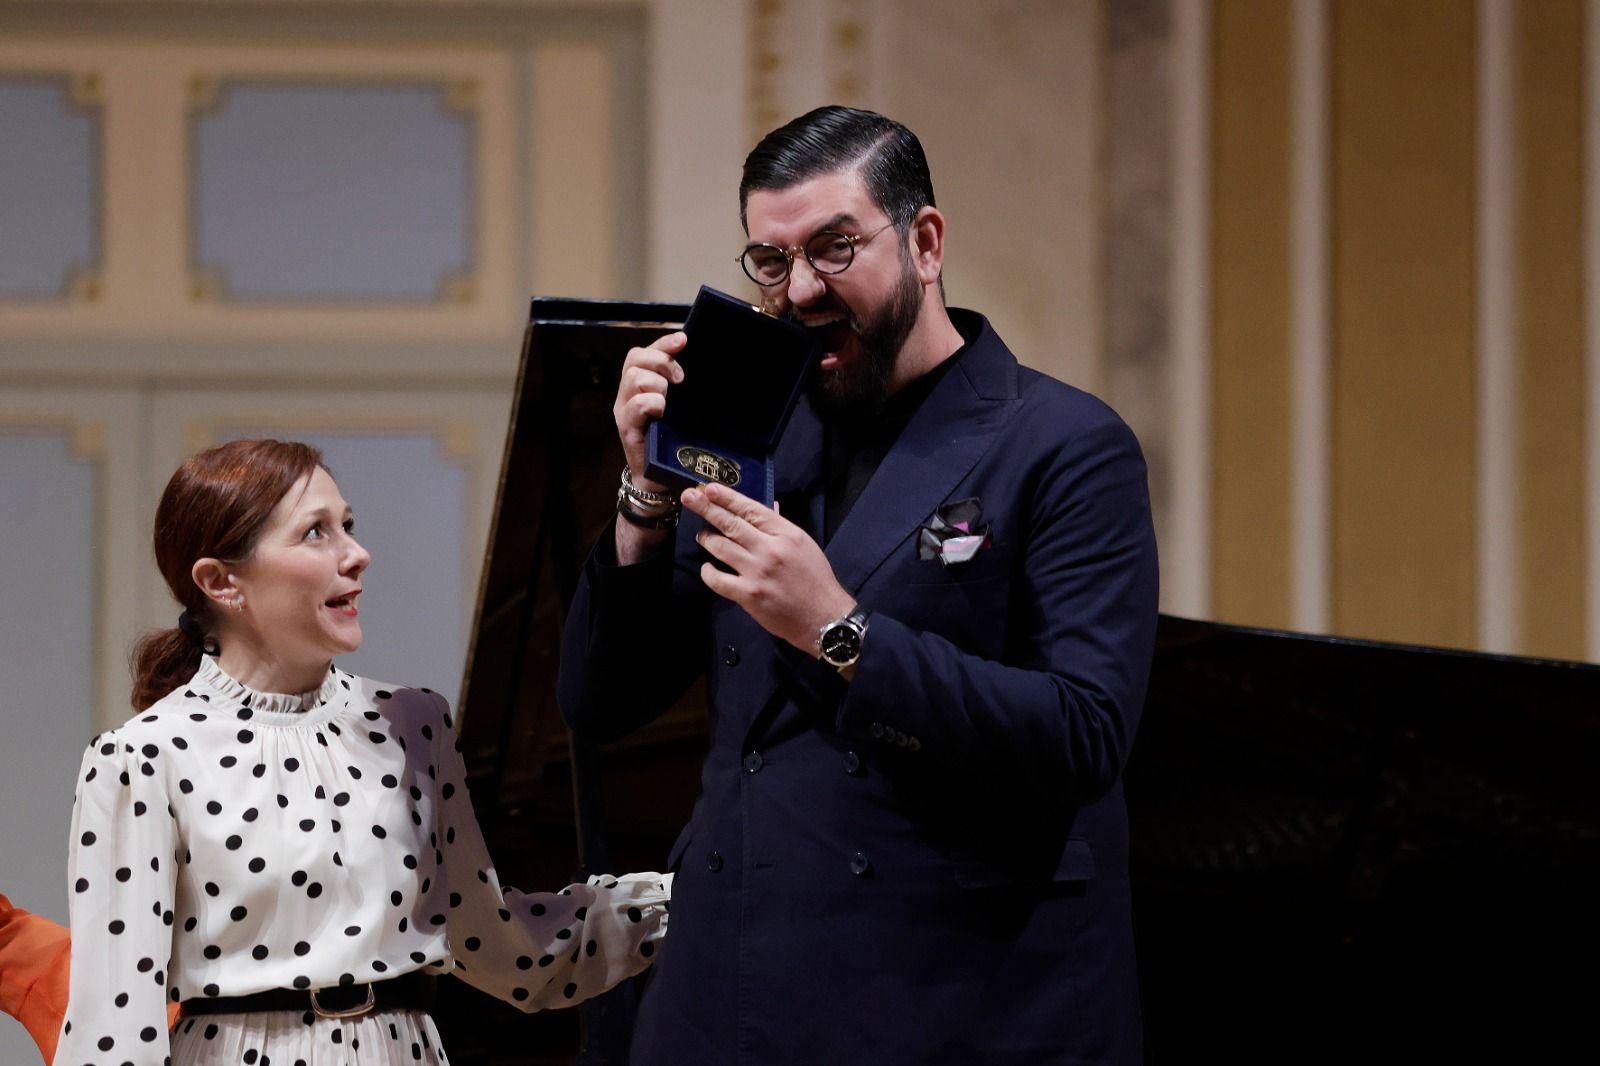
{"type": "Point", "coordinates": [353, 1012]}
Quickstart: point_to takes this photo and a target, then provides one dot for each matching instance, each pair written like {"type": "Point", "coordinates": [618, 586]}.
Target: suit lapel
{"type": "Point", "coordinates": [947, 436]}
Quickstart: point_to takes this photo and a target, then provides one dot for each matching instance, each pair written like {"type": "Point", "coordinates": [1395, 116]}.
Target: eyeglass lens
{"type": "Point", "coordinates": [828, 253]}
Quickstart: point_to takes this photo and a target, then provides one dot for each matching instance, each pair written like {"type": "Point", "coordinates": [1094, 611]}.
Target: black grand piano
{"type": "Point", "coordinates": [1342, 850]}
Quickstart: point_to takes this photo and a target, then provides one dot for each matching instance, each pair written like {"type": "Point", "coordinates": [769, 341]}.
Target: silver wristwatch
{"type": "Point", "coordinates": [839, 642]}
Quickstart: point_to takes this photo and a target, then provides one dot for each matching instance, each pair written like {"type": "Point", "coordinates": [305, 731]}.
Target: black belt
{"type": "Point", "coordinates": [412, 991]}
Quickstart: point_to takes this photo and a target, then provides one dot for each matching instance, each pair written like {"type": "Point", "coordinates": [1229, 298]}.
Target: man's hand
{"type": "Point", "coordinates": [781, 576]}
{"type": "Point", "coordinates": [642, 397]}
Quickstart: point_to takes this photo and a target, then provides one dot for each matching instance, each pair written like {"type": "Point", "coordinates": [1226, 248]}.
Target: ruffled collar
{"type": "Point", "coordinates": [213, 677]}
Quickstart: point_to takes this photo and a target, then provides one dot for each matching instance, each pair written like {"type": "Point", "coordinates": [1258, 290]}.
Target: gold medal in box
{"type": "Point", "coordinates": [743, 371]}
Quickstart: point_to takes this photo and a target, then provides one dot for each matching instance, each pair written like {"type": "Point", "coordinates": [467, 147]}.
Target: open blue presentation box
{"type": "Point", "coordinates": [743, 372]}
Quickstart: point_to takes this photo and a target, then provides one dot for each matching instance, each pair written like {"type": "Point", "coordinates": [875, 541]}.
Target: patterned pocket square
{"type": "Point", "coordinates": [954, 534]}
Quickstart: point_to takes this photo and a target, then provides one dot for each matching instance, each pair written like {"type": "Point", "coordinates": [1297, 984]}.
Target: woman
{"type": "Point", "coordinates": [288, 849]}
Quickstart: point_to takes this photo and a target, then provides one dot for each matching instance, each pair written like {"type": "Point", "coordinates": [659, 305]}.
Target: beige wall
{"type": "Point", "coordinates": [1398, 227]}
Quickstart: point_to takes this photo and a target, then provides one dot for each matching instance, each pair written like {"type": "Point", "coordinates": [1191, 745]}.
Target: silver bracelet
{"type": "Point", "coordinates": [648, 499]}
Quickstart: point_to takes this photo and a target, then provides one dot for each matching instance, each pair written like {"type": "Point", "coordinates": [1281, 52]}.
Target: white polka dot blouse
{"type": "Point", "coordinates": [228, 841]}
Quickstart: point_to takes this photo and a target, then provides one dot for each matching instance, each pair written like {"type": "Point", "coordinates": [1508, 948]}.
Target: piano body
{"type": "Point", "coordinates": [1342, 850]}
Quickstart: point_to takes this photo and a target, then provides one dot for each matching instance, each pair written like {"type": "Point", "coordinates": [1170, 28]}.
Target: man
{"type": "Point", "coordinates": [924, 667]}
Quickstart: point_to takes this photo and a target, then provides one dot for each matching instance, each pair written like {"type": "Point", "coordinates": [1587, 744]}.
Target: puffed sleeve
{"type": "Point", "coordinates": [120, 874]}
{"type": "Point", "coordinates": [536, 949]}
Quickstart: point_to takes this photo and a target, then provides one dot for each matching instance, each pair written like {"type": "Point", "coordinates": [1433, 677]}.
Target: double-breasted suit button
{"type": "Point", "coordinates": [852, 763]}
{"type": "Point", "coordinates": [753, 762]}
{"type": "Point", "coordinates": [913, 744]}
{"type": "Point", "coordinates": [730, 655]}
{"type": "Point", "coordinates": [900, 739]}
{"type": "Point", "coordinates": [860, 865]}
{"type": "Point", "coordinates": [876, 730]}
{"type": "Point", "coordinates": [714, 861]}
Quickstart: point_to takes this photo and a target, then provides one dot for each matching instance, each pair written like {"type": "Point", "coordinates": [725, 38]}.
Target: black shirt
{"type": "Point", "coordinates": [852, 454]}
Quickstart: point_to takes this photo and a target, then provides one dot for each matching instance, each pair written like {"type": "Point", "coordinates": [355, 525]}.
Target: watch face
{"type": "Point", "coordinates": [841, 644]}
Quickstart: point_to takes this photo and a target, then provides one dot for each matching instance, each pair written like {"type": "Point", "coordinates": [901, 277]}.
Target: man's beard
{"type": "Point", "coordinates": [854, 392]}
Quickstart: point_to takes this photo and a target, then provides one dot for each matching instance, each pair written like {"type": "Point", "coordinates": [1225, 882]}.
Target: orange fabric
{"type": "Point", "coordinates": [35, 956]}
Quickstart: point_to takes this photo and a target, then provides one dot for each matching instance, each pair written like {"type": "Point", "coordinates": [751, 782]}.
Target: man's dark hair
{"type": "Point", "coordinates": [831, 139]}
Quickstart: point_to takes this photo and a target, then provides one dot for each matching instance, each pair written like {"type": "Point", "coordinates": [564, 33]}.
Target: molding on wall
{"type": "Point", "coordinates": [1309, 489]}
{"type": "Point", "coordinates": [1499, 604]}
{"type": "Point", "coordinates": [1187, 581]}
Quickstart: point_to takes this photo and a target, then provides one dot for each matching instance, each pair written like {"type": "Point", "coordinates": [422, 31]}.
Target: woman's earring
{"type": "Point", "coordinates": [238, 604]}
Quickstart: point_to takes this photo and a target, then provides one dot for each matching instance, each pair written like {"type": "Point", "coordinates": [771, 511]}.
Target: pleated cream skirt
{"type": "Point", "coordinates": [295, 1038]}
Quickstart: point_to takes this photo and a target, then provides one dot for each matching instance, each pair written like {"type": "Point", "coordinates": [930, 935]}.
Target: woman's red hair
{"type": "Point", "coordinates": [214, 507]}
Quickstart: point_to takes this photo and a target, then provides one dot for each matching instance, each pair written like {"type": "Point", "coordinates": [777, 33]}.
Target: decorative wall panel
{"type": "Point", "coordinates": [324, 192]}
{"type": "Point", "coordinates": [47, 700]}
{"type": "Point", "coordinates": [49, 187]}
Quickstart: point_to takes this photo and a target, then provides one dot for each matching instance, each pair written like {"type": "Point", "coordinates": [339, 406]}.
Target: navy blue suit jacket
{"type": "Point", "coordinates": [927, 864]}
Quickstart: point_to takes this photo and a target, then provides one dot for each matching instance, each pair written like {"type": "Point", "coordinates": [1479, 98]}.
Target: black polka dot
{"type": "Point", "coordinates": [634, 914]}
{"type": "Point", "coordinates": [245, 736]}
{"type": "Point", "coordinates": [213, 807]}
{"type": "Point", "coordinates": [519, 994]}
{"type": "Point", "coordinates": [211, 990]}
{"type": "Point", "coordinates": [291, 764]}
{"type": "Point", "coordinates": [302, 982]}
{"type": "Point", "coordinates": [301, 948]}
{"type": "Point", "coordinates": [106, 1043]}
{"type": "Point", "coordinates": [546, 960]}
{"type": "Point", "coordinates": [352, 930]}
{"type": "Point", "coordinates": [259, 952]}
{"type": "Point", "coordinates": [180, 743]}
{"type": "Point", "coordinates": [146, 965]}
{"type": "Point", "coordinates": [390, 781]}
{"type": "Point", "coordinates": [647, 949]}
{"type": "Point", "coordinates": [564, 934]}
{"type": "Point", "coordinates": [190, 923]}
{"type": "Point", "coordinates": [590, 948]}
{"type": "Point", "coordinates": [212, 952]}
{"type": "Point", "coordinates": [299, 878]}
{"type": "Point", "coordinates": [473, 943]}
{"type": "Point", "coordinates": [396, 898]}
{"type": "Point", "coordinates": [258, 770]}
{"type": "Point", "coordinates": [139, 808]}
{"type": "Point", "coordinates": [524, 962]}
{"type": "Point", "coordinates": [212, 889]}
{"type": "Point", "coordinates": [581, 913]}
{"type": "Point", "coordinates": [185, 786]}
{"type": "Point", "coordinates": [570, 991]}
{"type": "Point", "coordinates": [257, 864]}
{"type": "Point", "coordinates": [382, 694]}
{"type": "Point", "coordinates": [283, 801]}
{"type": "Point", "coordinates": [418, 957]}
{"type": "Point", "coordinates": [210, 1032]}
{"type": "Point", "coordinates": [150, 751]}
{"type": "Point", "coordinates": [355, 772]}
{"type": "Point", "coordinates": [121, 1000]}
{"type": "Point", "coordinates": [251, 815]}
{"type": "Point", "coordinates": [233, 842]}
{"type": "Point", "coordinates": [238, 913]}
{"type": "Point", "coordinates": [116, 927]}
{"type": "Point", "coordinates": [307, 825]}
{"type": "Point", "coordinates": [341, 799]}
{"type": "Point", "coordinates": [536, 909]}
{"type": "Point", "coordinates": [123, 873]}
{"type": "Point", "coordinates": [87, 839]}
{"type": "Point", "coordinates": [314, 889]}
